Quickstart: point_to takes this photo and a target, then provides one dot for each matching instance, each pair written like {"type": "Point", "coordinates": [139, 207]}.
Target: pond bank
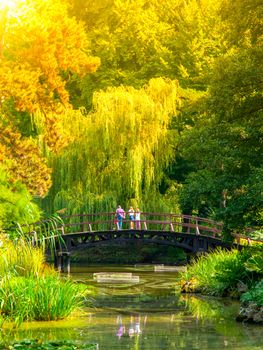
{"type": "Point", "coordinates": [235, 274]}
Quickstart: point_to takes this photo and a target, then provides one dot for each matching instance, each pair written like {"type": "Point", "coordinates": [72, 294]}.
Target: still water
{"type": "Point", "coordinates": [148, 315]}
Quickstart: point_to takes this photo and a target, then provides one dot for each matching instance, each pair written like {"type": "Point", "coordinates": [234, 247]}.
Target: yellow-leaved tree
{"type": "Point", "coordinates": [40, 48]}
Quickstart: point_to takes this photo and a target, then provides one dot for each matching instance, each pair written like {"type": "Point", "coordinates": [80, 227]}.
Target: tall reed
{"type": "Point", "coordinates": [29, 289]}
{"type": "Point", "coordinates": [20, 258]}
{"type": "Point", "coordinates": [42, 298]}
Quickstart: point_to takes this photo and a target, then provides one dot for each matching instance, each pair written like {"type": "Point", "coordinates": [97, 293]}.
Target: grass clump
{"type": "Point", "coordinates": [223, 272]}
{"type": "Point", "coordinates": [31, 290]}
{"type": "Point", "coordinates": [20, 259]}
{"type": "Point", "coordinates": [42, 298]}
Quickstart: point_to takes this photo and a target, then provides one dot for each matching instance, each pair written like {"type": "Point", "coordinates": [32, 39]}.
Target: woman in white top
{"type": "Point", "coordinates": [138, 218]}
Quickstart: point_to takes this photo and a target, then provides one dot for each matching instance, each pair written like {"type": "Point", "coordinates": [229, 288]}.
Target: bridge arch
{"type": "Point", "coordinates": [81, 231]}
{"type": "Point", "coordinates": [190, 243]}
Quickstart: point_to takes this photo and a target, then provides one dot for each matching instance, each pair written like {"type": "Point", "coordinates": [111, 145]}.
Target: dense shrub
{"type": "Point", "coordinates": [255, 294]}
{"type": "Point", "coordinates": [221, 272]}
{"type": "Point", "coordinates": [16, 203]}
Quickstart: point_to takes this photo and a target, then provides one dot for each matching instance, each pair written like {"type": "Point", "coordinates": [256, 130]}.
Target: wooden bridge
{"type": "Point", "coordinates": [81, 231]}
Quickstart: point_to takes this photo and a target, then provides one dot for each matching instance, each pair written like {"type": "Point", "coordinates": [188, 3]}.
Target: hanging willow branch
{"type": "Point", "coordinates": [120, 149]}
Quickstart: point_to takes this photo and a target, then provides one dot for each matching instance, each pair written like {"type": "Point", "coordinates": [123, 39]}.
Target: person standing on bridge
{"type": "Point", "coordinates": [138, 218]}
{"type": "Point", "coordinates": [120, 213]}
{"type": "Point", "coordinates": [131, 217]}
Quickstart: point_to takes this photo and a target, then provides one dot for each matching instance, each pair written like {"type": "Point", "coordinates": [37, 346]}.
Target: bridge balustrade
{"type": "Point", "coordinates": [149, 221]}
{"type": "Point", "coordinates": [106, 221]}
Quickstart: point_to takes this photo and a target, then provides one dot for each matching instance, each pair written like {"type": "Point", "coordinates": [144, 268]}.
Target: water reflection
{"type": "Point", "coordinates": [133, 329]}
{"type": "Point", "coordinates": [149, 316]}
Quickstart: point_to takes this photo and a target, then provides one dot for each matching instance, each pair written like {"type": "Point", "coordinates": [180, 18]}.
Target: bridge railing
{"type": "Point", "coordinates": [89, 222]}
{"type": "Point", "coordinates": [149, 221]}
{"type": "Point", "coordinates": [245, 240]}
{"type": "Point", "coordinates": [107, 221]}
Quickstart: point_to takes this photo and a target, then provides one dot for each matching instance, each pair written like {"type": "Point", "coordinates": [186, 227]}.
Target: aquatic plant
{"type": "Point", "coordinates": [48, 345]}
{"type": "Point", "coordinates": [42, 298]}
{"type": "Point", "coordinates": [32, 290]}
{"type": "Point", "coordinates": [44, 233]}
{"type": "Point", "coordinates": [19, 258]}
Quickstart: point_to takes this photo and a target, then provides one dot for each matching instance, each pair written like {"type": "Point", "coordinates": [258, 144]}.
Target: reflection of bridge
{"type": "Point", "coordinates": [192, 234]}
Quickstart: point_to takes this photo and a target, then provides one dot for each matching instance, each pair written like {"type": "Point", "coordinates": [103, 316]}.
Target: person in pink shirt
{"type": "Point", "coordinates": [120, 213]}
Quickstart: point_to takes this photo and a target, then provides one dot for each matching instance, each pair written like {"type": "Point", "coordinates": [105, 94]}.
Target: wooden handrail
{"type": "Point", "coordinates": [248, 239]}
{"type": "Point", "coordinates": [156, 222]}
{"type": "Point", "coordinates": [173, 222]}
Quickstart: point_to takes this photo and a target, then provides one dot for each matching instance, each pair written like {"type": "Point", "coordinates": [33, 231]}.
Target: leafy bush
{"type": "Point", "coordinates": [258, 234]}
{"type": "Point", "coordinates": [254, 295]}
{"type": "Point", "coordinates": [219, 272]}
{"type": "Point", "coordinates": [16, 204]}
{"type": "Point", "coordinates": [255, 261]}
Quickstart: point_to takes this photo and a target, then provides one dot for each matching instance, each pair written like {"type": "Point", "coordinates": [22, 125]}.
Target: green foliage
{"type": "Point", "coordinates": [30, 290]}
{"type": "Point", "coordinates": [120, 150]}
{"type": "Point", "coordinates": [143, 39]}
{"type": "Point", "coordinates": [218, 273]}
{"type": "Point", "coordinates": [257, 234]}
{"type": "Point", "coordinates": [47, 345]}
{"type": "Point", "coordinates": [255, 262]}
{"type": "Point", "coordinates": [230, 271]}
{"type": "Point", "coordinates": [225, 145]}
{"type": "Point", "coordinates": [213, 46]}
{"type": "Point", "coordinates": [16, 204]}
{"type": "Point", "coordinates": [255, 294]}
{"type": "Point", "coordinates": [141, 138]}
{"type": "Point", "coordinates": [20, 259]}
{"type": "Point", "coordinates": [42, 298]}
{"type": "Point", "coordinates": [131, 40]}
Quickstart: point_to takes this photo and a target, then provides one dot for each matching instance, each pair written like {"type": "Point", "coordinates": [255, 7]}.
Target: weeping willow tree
{"type": "Point", "coordinates": [119, 150]}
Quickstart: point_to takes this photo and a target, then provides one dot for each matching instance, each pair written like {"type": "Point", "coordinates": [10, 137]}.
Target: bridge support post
{"type": "Point", "coordinates": [66, 266]}
{"type": "Point", "coordinates": [62, 261]}
{"type": "Point", "coordinates": [195, 245]}
{"type": "Point", "coordinates": [197, 228]}
{"type": "Point", "coordinates": [58, 263]}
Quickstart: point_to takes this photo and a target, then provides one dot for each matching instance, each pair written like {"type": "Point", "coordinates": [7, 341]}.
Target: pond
{"type": "Point", "coordinates": [147, 315]}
